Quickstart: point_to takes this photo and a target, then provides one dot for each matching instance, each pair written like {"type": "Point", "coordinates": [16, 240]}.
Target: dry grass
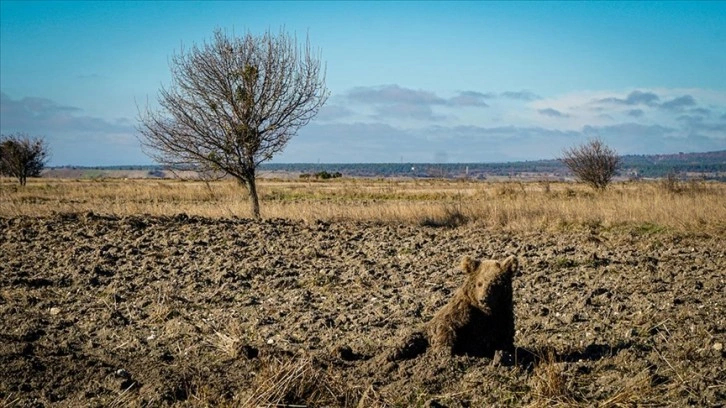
{"type": "Point", "coordinates": [549, 383]}
{"type": "Point", "coordinates": [643, 207]}
{"type": "Point", "coordinates": [635, 391]}
{"type": "Point", "coordinates": [552, 386]}
{"type": "Point", "coordinates": [299, 382]}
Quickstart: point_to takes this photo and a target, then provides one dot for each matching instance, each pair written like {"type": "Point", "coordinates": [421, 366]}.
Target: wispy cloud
{"type": "Point", "coordinates": [394, 94]}
{"type": "Point", "coordinates": [469, 98]}
{"type": "Point", "coordinates": [643, 106]}
{"type": "Point", "coordinates": [74, 138]}
{"type": "Point", "coordinates": [391, 123]}
{"type": "Point", "coordinates": [634, 138]}
{"type": "Point", "coordinates": [520, 95]}
{"type": "Point", "coordinates": [408, 111]}
{"type": "Point", "coordinates": [435, 143]}
{"type": "Point", "coordinates": [648, 99]}
{"type": "Point", "coordinates": [554, 113]}
{"type": "Point", "coordinates": [383, 143]}
{"type": "Point", "coordinates": [698, 124]}
{"type": "Point", "coordinates": [397, 95]}
{"type": "Point", "coordinates": [40, 115]}
{"type": "Point", "coordinates": [333, 112]}
{"type": "Point", "coordinates": [389, 95]}
{"type": "Point", "coordinates": [32, 107]}
{"type": "Point", "coordinates": [524, 126]}
{"type": "Point", "coordinates": [391, 103]}
{"type": "Point", "coordinates": [633, 98]}
{"type": "Point", "coordinates": [679, 103]}
{"type": "Point", "coordinates": [396, 102]}
{"type": "Point", "coordinates": [701, 111]}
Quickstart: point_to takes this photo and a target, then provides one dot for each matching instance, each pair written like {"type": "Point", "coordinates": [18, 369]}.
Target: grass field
{"type": "Point", "coordinates": [694, 206]}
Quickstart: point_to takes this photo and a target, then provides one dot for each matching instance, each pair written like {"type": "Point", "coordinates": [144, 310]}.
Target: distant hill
{"type": "Point", "coordinates": [709, 166]}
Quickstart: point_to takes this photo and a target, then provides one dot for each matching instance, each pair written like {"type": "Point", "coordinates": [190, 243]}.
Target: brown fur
{"type": "Point", "coordinates": [479, 319]}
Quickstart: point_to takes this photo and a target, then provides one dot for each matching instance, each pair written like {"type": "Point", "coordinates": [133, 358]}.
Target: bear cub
{"type": "Point", "coordinates": [479, 319]}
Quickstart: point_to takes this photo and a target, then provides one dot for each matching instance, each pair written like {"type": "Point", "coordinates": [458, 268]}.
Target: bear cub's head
{"type": "Point", "coordinates": [489, 282]}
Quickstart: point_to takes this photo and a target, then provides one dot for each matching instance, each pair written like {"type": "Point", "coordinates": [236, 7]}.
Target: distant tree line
{"type": "Point", "coordinates": [710, 165]}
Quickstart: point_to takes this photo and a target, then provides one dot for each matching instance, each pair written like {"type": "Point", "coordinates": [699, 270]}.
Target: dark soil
{"type": "Point", "coordinates": [144, 311]}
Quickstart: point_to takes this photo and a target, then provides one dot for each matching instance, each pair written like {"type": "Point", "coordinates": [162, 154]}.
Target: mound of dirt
{"type": "Point", "coordinates": [144, 311]}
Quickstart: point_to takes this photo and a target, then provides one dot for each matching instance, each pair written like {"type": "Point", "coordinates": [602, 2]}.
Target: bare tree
{"type": "Point", "coordinates": [593, 162]}
{"type": "Point", "coordinates": [22, 156]}
{"type": "Point", "coordinates": [234, 103]}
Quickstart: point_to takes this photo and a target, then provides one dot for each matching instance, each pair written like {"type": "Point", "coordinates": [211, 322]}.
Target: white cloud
{"type": "Point", "coordinates": [391, 123]}
{"type": "Point", "coordinates": [645, 107]}
{"type": "Point", "coordinates": [399, 104]}
{"type": "Point", "coordinates": [516, 125]}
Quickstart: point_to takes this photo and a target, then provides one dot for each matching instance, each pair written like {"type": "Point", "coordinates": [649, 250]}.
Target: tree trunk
{"type": "Point", "coordinates": [251, 185]}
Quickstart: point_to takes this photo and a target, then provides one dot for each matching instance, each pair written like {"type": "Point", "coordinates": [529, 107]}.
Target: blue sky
{"type": "Point", "coordinates": [409, 81]}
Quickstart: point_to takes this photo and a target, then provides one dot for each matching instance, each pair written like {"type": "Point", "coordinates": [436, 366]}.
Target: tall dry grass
{"type": "Point", "coordinates": [519, 206]}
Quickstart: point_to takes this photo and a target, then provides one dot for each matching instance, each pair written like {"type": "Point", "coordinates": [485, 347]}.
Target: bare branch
{"type": "Point", "coordinates": [233, 104]}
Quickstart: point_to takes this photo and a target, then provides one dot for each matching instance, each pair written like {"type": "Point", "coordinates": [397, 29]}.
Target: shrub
{"type": "Point", "coordinates": [671, 183]}
{"type": "Point", "coordinates": [450, 217]}
{"type": "Point", "coordinates": [324, 175]}
{"type": "Point", "coordinates": [593, 163]}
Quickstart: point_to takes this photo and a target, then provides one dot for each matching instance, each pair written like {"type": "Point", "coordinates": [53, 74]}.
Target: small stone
{"type": "Point", "coordinates": [54, 311]}
{"type": "Point", "coordinates": [718, 346]}
{"type": "Point", "coordinates": [270, 341]}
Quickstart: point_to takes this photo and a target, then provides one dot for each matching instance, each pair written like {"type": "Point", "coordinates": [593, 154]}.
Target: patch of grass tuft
{"type": "Point", "coordinates": [450, 217]}
{"type": "Point", "coordinates": [648, 228]}
{"type": "Point", "coordinates": [549, 383]}
{"type": "Point", "coordinates": [564, 263]}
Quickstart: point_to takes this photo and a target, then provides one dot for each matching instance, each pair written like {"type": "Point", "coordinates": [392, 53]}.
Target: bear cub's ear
{"type": "Point", "coordinates": [469, 265]}
{"type": "Point", "coordinates": [510, 264]}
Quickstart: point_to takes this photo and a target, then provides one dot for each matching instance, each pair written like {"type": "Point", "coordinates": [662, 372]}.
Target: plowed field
{"type": "Point", "coordinates": [159, 311]}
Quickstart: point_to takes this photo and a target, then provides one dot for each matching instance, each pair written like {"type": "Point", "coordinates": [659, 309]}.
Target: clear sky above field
{"type": "Point", "coordinates": [409, 81]}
